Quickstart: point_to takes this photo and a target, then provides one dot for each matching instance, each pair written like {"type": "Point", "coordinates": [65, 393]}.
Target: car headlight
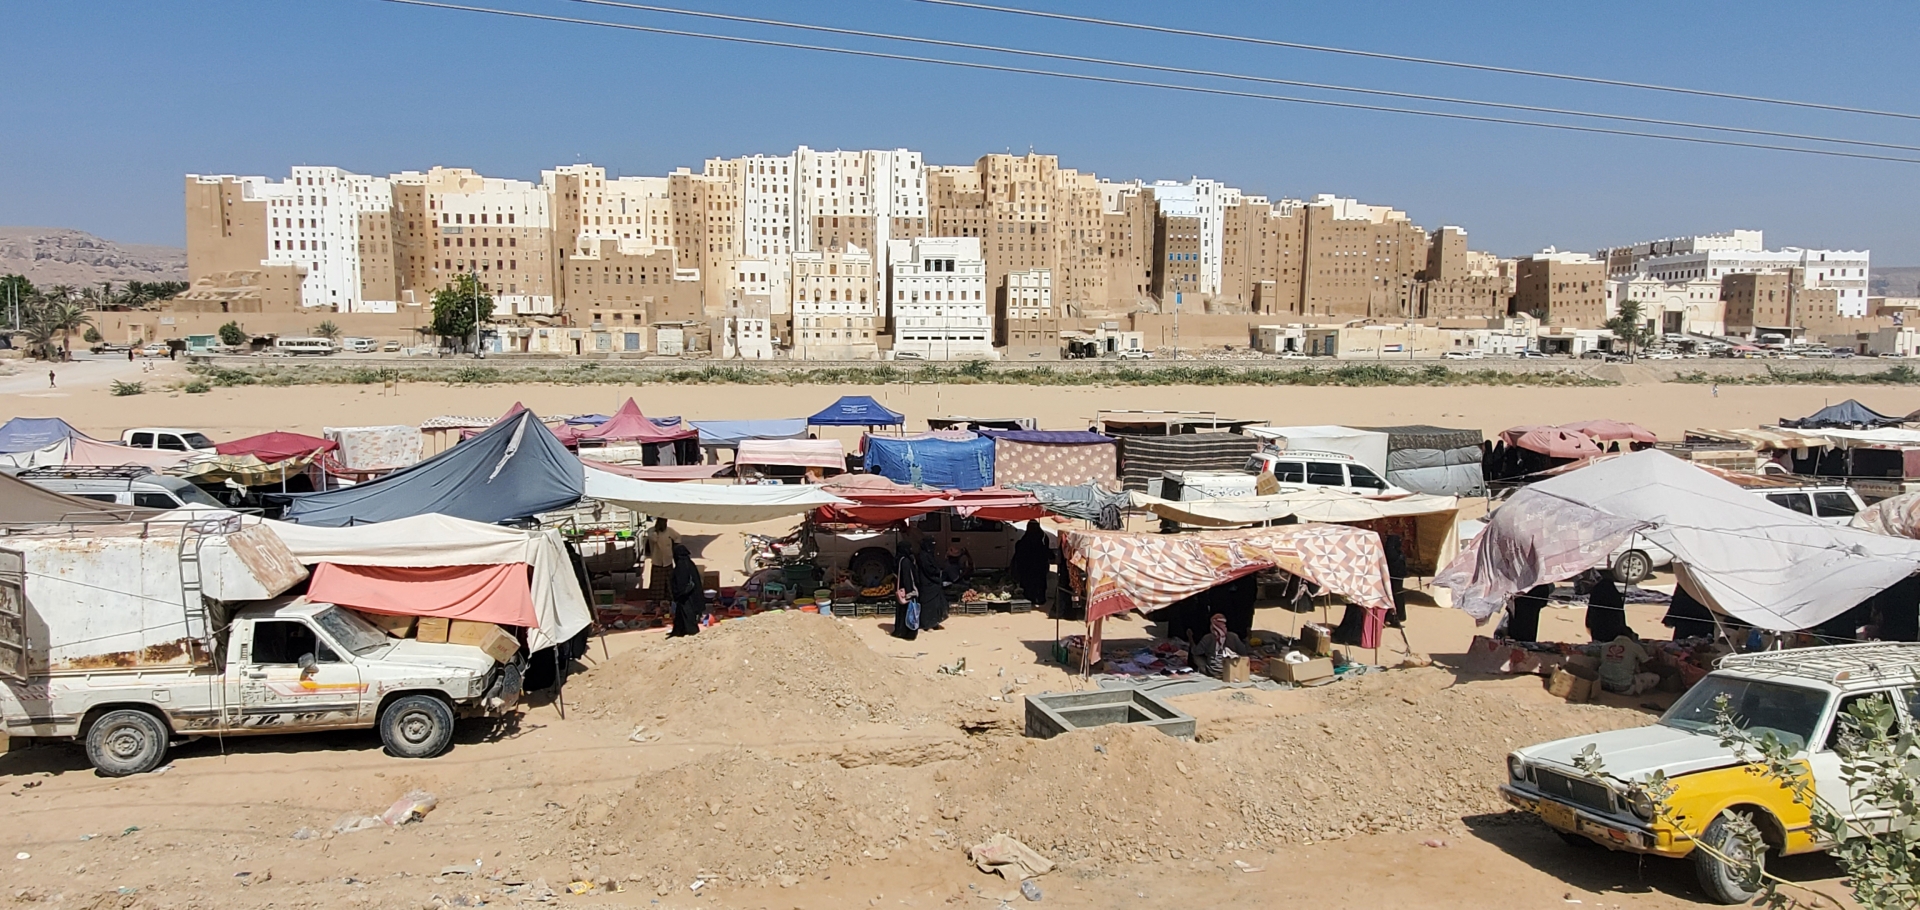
{"type": "Point", "coordinates": [1516, 766]}
{"type": "Point", "coordinates": [1640, 803]}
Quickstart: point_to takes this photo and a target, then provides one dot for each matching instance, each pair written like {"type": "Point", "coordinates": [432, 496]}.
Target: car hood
{"type": "Point", "coordinates": [1637, 752]}
{"type": "Point", "coordinates": [437, 656]}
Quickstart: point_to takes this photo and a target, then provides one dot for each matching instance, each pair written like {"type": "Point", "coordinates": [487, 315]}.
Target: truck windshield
{"type": "Point", "coordinates": [350, 631]}
{"type": "Point", "coordinates": [1791, 713]}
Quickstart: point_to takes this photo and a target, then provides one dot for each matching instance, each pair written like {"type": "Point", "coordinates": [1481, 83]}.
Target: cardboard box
{"type": "Point", "coordinates": [396, 626]}
{"type": "Point", "coordinates": [1305, 672]}
{"type": "Point", "coordinates": [1236, 669]}
{"type": "Point", "coordinates": [1316, 639]}
{"type": "Point", "coordinates": [1574, 683]}
{"type": "Point", "coordinates": [486, 636]}
{"type": "Point", "coordinates": [431, 628]}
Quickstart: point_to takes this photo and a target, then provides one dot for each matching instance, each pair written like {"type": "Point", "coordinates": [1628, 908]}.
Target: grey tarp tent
{"type": "Point", "coordinates": [1849, 413]}
{"type": "Point", "coordinates": [1143, 459]}
{"type": "Point", "coordinates": [512, 470]}
{"type": "Point", "coordinates": [1437, 460]}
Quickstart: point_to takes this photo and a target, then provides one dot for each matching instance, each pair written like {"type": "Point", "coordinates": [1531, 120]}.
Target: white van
{"type": "Point", "coordinates": [1322, 469]}
{"type": "Point", "coordinates": [1835, 504]}
{"type": "Point", "coordinates": [359, 345]}
{"type": "Point", "coordinates": [302, 346]}
{"type": "Point", "coordinates": [128, 485]}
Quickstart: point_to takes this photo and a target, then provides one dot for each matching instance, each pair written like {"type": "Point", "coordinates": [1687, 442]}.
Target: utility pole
{"type": "Point", "coordinates": [475, 286]}
{"type": "Point", "coordinates": [1176, 325]}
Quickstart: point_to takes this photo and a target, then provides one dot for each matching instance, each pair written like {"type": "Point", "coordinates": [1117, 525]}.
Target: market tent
{"type": "Point", "coordinates": [885, 507]}
{"type": "Point", "coordinates": [946, 460]}
{"type": "Point", "coordinates": [1437, 460]}
{"type": "Point", "coordinates": [51, 456]}
{"type": "Point", "coordinates": [367, 449]}
{"type": "Point", "coordinates": [1739, 554]}
{"type": "Point", "coordinates": [629, 425]}
{"type": "Point", "coordinates": [1849, 413]}
{"type": "Point", "coordinates": [856, 411]}
{"type": "Point", "coordinates": [1553, 442]}
{"type": "Point", "coordinates": [1887, 437]}
{"type": "Point", "coordinates": [26, 434]}
{"type": "Point", "coordinates": [244, 469]}
{"type": "Point", "coordinates": [1144, 459]}
{"type": "Point", "coordinates": [1426, 525]}
{"type": "Point", "coordinates": [498, 594]}
{"type": "Point", "coordinates": [1611, 431]}
{"type": "Point", "coordinates": [1898, 516]}
{"type": "Point", "coordinates": [1125, 570]}
{"type": "Point", "coordinates": [806, 453]}
{"type": "Point", "coordinates": [23, 503]}
{"type": "Point", "coordinates": [673, 473]}
{"type": "Point", "coordinates": [1764, 439]}
{"type": "Point", "coordinates": [1053, 457]}
{"type": "Point", "coordinates": [276, 446]}
{"type": "Point", "coordinates": [728, 433]}
{"type": "Point", "coordinates": [982, 423]}
{"type": "Point", "coordinates": [1368, 447]}
{"type": "Point", "coordinates": [707, 503]}
{"type": "Point", "coordinates": [84, 451]}
{"type": "Point", "coordinates": [513, 470]}
{"type": "Point", "coordinates": [430, 541]}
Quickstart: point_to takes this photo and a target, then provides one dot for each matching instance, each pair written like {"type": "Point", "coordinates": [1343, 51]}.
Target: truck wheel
{"type": "Point", "coordinates": [126, 742]}
{"type": "Point", "coordinates": [416, 726]}
{"type": "Point", "coordinates": [1730, 883]}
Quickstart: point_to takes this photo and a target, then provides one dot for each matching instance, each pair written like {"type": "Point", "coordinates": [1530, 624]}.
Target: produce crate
{"type": "Point", "coordinates": [1019, 605]}
{"type": "Point", "coordinates": [980, 608]}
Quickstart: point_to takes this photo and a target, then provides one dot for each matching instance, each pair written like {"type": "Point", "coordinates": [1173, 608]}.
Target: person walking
{"type": "Point", "coordinates": [689, 599]}
{"type": "Point", "coordinates": [658, 543]}
{"type": "Point", "coordinates": [50, 383]}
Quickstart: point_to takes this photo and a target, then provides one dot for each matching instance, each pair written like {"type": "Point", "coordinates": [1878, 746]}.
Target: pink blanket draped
{"type": "Point", "coordinates": [489, 593]}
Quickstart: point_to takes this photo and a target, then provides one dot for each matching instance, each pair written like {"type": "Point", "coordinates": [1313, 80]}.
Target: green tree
{"type": "Point", "coordinates": [327, 330]}
{"type": "Point", "coordinates": [16, 295]}
{"type": "Point", "coordinates": [459, 309]}
{"type": "Point", "coordinates": [1630, 327]}
{"type": "Point", "coordinates": [92, 335]}
{"type": "Point", "coordinates": [232, 335]}
{"type": "Point", "coordinates": [51, 319]}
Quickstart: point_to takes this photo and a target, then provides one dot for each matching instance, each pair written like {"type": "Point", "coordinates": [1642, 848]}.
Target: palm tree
{"type": "Point", "coordinates": [63, 318]}
{"type": "Point", "coordinates": [327, 330]}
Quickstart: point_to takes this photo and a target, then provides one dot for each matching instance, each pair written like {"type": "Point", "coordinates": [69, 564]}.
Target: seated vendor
{"type": "Point", "coordinates": [1209, 655]}
{"type": "Point", "coordinates": [958, 564]}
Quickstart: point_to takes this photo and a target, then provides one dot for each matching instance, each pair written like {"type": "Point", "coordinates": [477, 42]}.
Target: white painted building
{"type": "Point", "coordinates": [313, 222]}
{"type": "Point", "coordinates": [1691, 307]}
{"type": "Point", "coordinates": [1029, 294]}
{"type": "Point", "coordinates": [1206, 200]}
{"type": "Point", "coordinates": [937, 289]}
{"type": "Point", "coordinates": [1715, 256]}
{"type": "Point", "coordinates": [836, 307]}
{"type": "Point", "coordinates": [748, 338]}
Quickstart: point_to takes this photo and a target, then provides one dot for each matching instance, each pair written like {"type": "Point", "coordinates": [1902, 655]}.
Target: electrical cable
{"type": "Point", "coordinates": [1213, 74]}
{"type": "Point", "coordinates": [1426, 61]}
{"type": "Point", "coordinates": [1141, 83]}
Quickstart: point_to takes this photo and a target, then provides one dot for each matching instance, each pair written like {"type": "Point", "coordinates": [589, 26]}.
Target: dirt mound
{"type": "Point", "coordinates": [765, 678]}
{"type": "Point", "coordinates": [1399, 751]}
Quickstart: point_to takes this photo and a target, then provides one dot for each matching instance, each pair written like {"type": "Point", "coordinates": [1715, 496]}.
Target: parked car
{"type": "Point", "coordinates": [1529, 355]}
{"type": "Point", "coordinates": [1634, 561]}
{"type": "Point", "coordinates": [1797, 696]}
{"type": "Point", "coordinates": [124, 485]}
{"type": "Point", "coordinates": [358, 345]}
{"type": "Point", "coordinates": [1135, 355]}
{"type": "Point", "coordinates": [1462, 355]}
{"type": "Point", "coordinates": [170, 439]}
{"type": "Point", "coordinates": [1834, 504]}
{"type": "Point", "coordinates": [907, 355]}
{"type": "Point", "coordinates": [154, 349]}
{"type": "Point", "coordinates": [109, 348]}
{"type": "Point", "coordinates": [390, 347]}
{"type": "Point", "coordinates": [1318, 469]}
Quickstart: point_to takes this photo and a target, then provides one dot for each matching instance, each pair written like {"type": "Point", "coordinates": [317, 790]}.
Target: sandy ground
{"type": "Point", "coordinates": [1667, 409]}
{"type": "Point", "coordinates": [216, 830]}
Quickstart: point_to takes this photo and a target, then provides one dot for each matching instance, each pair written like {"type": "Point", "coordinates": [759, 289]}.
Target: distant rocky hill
{"type": "Point", "coordinates": [52, 256]}
{"type": "Point", "coordinates": [1898, 281]}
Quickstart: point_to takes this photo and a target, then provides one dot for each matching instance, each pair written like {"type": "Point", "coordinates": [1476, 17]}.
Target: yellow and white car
{"type": "Point", "coordinates": [1797, 695]}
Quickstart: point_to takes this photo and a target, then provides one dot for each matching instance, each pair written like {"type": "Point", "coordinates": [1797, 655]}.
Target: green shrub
{"type": "Point", "coordinates": [196, 387]}
{"type": "Point", "coordinates": [123, 389]}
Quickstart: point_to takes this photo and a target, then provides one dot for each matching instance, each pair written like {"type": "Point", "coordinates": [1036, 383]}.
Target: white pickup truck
{"type": "Point", "coordinates": [128, 637]}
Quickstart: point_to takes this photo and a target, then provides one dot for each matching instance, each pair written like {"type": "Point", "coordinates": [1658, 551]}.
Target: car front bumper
{"type": "Point", "coordinates": [1607, 832]}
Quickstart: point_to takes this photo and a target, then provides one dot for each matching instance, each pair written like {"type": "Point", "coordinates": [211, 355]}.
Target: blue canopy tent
{"type": "Point", "coordinates": [944, 462]}
{"type": "Point", "coordinates": [26, 434]}
{"type": "Point", "coordinates": [1846, 414]}
{"type": "Point", "coordinates": [512, 470]}
{"type": "Point", "coordinates": [856, 411]}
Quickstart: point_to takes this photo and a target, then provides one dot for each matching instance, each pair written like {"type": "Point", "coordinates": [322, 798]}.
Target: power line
{"type": "Point", "coordinates": [1141, 83]}
{"type": "Point", "coordinates": [1427, 61]}
{"type": "Point", "coordinates": [1103, 61]}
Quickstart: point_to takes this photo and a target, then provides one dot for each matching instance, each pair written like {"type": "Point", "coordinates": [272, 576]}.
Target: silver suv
{"type": "Point", "coordinates": [126, 486]}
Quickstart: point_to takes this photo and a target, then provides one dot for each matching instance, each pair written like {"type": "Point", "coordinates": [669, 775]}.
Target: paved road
{"type": "Point", "coordinates": [29, 378]}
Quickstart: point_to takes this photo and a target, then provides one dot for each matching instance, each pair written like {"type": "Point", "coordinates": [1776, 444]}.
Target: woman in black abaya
{"type": "Point", "coordinates": [689, 599]}
{"type": "Point", "coordinates": [1032, 558]}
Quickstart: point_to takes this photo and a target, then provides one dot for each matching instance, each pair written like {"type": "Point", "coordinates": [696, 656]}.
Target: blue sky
{"type": "Point", "coordinates": [107, 104]}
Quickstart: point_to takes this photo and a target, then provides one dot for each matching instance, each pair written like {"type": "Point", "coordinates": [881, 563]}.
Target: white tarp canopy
{"type": "Point", "coordinates": [1368, 447]}
{"type": "Point", "coordinates": [1882, 437]}
{"type": "Point", "coordinates": [1738, 553]}
{"type": "Point", "coordinates": [706, 503]}
{"type": "Point", "coordinates": [431, 540]}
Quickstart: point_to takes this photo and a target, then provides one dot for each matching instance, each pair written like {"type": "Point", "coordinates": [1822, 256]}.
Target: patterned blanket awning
{"type": "Point", "coordinates": [1124, 570]}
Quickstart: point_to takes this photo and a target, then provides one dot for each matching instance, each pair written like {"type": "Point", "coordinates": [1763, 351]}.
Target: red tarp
{"type": "Point", "coordinates": [1553, 442]}
{"type": "Point", "coordinates": [276, 446]}
{"type": "Point", "coordinates": [1611, 430]}
{"type": "Point", "coordinates": [494, 593]}
{"type": "Point", "coordinates": [877, 500]}
{"type": "Point", "coordinates": [629, 425]}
